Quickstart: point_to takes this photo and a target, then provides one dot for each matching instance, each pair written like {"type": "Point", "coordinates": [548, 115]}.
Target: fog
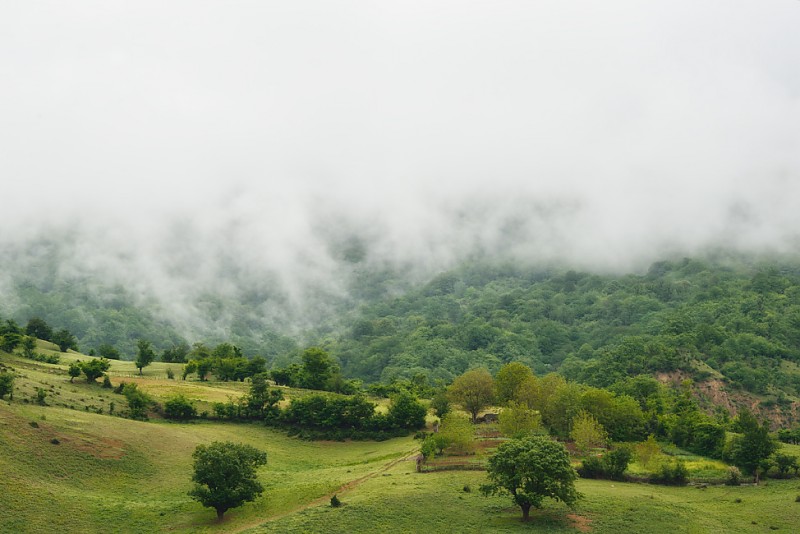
{"type": "Point", "coordinates": [216, 146]}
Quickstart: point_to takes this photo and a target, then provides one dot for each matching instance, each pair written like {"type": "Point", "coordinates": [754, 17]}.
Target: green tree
{"type": "Point", "coordinates": [406, 412]}
{"type": "Point", "coordinates": [179, 407]}
{"type": "Point", "coordinates": [517, 420]}
{"type": "Point", "coordinates": [28, 345]}
{"type": "Point", "coordinates": [587, 432]}
{"type": "Point", "coordinates": [37, 327]}
{"type": "Point", "coordinates": [440, 403]}
{"type": "Point", "coordinates": [457, 433]}
{"type": "Point", "coordinates": [145, 354]}
{"type": "Point", "coordinates": [474, 391]}
{"type": "Point", "coordinates": [108, 351]}
{"type": "Point", "coordinates": [65, 340]}
{"type": "Point", "coordinates": [74, 370]}
{"type": "Point", "coordinates": [225, 475]}
{"type": "Point", "coordinates": [318, 368]}
{"type": "Point", "coordinates": [749, 450]}
{"type": "Point", "coordinates": [9, 341]}
{"type": "Point", "coordinates": [6, 384]}
{"type": "Point", "coordinates": [531, 469]}
{"type": "Point", "coordinates": [509, 379]}
{"type": "Point", "coordinates": [94, 368]}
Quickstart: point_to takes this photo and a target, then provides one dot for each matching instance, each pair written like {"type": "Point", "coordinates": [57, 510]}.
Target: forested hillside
{"type": "Point", "coordinates": [740, 322]}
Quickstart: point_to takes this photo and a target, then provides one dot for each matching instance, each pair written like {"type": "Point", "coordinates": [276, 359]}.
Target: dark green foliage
{"type": "Point", "coordinates": [180, 408]}
{"type": "Point", "coordinates": [600, 330]}
{"type": "Point", "coordinates": [28, 345]}
{"type": "Point", "coordinates": [65, 340]}
{"type": "Point", "coordinates": [176, 353]}
{"type": "Point", "coordinates": [138, 401]}
{"type": "Point", "coordinates": [531, 469]}
{"type": "Point", "coordinates": [108, 351]}
{"type": "Point", "coordinates": [406, 412]}
{"type": "Point", "coordinates": [107, 382]}
{"type": "Point", "coordinates": [750, 450]}
{"type": "Point", "coordinates": [37, 327]}
{"type": "Point", "coordinates": [145, 354]}
{"type": "Point", "coordinates": [785, 463]}
{"type": "Point", "coordinates": [671, 474]}
{"type": "Point", "coordinates": [74, 370]}
{"type": "Point", "coordinates": [94, 368]}
{"type": "Point", "coordinates": [335, 502]}
{"type": "Point", "coordinates": [10, 341]}
{"type": "Point", "coordinates": [440, 403]}
{"type": "Point", "coordinates": [225, 475]}
{"type": "Point", "coordinates": [612, 465]}
{"type": "Point", "coordinates": [41, 396]}
{"type": "Point", "coordinates": [262, 401]}
{"type": "Point", "coordinates": [6, 384]}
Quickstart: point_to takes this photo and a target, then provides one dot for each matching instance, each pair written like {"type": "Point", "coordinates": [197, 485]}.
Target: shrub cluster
{"type": "Point", "coordinates": [611, 465]}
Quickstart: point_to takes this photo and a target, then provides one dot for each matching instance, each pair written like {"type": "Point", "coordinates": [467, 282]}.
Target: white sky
{"type": "Point", "coordinates": [635, 125]}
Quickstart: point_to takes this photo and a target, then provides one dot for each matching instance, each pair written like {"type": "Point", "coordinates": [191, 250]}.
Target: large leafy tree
{"type": "Point", "coordinates": [529, 470]}
{"type": "Point", "coordinates": [474, 391]}
{"type": "Point", "coordinates": [225, 475]}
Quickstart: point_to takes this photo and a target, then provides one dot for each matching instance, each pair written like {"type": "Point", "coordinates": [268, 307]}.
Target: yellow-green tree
{"type": "Point", "coordinates": [474, 391]}
{"type": "Point", "coordinates": [517, 420]}
{"type": "Point", "coordinates": [587, 432]}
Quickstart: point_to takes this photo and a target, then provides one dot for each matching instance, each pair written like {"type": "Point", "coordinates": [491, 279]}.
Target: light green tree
{"type": "Point", "coordinates": [474, 391]}
{"type": "Point", "coordinates": [517, 420]}
{"type": "Point", "coordinates": [587, 432]}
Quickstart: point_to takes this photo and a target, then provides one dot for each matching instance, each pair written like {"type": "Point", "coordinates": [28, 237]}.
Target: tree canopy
{"type": "Point", "coordinates": [531, 469]}
{"type": "Point", "coordinates": [225, 475]}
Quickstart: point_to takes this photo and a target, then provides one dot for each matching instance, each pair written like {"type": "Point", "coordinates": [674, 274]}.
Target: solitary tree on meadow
{"type": "Point", "coordinates": [529, 470]}
{"type": "Point", "coordinates": [145, 354]}
{"type": "Point", "coordinates": [225, 475]}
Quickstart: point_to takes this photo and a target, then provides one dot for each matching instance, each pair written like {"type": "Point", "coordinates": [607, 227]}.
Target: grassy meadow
{"type": "Point", "coordinates": [70, 467]}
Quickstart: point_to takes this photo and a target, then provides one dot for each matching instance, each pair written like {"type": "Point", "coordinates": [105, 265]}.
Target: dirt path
{"type": "Point", "coordinates": [410, 456]}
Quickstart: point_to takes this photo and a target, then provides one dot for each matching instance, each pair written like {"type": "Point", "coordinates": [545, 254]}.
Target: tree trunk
{"type": "Point", "coordinates": [526, 508]}
{"type": "Point", "coordinates": [220, 511]}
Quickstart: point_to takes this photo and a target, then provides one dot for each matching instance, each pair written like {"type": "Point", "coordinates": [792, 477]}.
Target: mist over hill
{"type": "Point", "coordinates": [239, 171]}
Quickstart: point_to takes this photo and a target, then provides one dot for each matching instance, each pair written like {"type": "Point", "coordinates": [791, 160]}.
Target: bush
{"type": "Point", "coordinates": [179, 407]}
{"type": "Point", "coordinates": [671, 474]}
{"type": "Point", "coordinates": [107, 382]}
{"type": "Point", "coordinates": [335, 502]}
{"type": "Point", "coordinates": [170, 373]}
{"type": "Point", "coordinates": [734, 477]}
{"type": "Point", "coordinates": [611, 465]}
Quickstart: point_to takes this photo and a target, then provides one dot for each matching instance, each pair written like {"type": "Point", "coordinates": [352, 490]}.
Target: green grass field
{"type": "Point", "coordinates": [110, 474]}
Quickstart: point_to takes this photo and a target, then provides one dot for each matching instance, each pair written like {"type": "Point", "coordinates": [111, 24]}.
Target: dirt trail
{"type": "Point", "coordinates": [410, 456]}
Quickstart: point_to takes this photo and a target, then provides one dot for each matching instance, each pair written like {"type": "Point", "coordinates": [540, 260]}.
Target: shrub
{"type": "Point", "coordinates": [671, 474]}
{"type": "Point", "coordinates": [107, 382]}
{"type": "Point", "coordinates": [179, 407]}
{"type": "Point", "coordinates": [170, 373]}
{"type": "Point", "coordinates": [611, 465]}
{"type": "Point", "coordinates": [734, 477]}
{"type": "Point", "coordinates": [335, 502]}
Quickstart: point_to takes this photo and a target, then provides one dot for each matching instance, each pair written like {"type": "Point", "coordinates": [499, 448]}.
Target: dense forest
{"type": "Point", "coordinates": [734, 320]}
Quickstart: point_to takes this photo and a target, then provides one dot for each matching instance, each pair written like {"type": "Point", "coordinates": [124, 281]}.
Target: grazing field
{"type": "Point", "coordinates": [67, 468]}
